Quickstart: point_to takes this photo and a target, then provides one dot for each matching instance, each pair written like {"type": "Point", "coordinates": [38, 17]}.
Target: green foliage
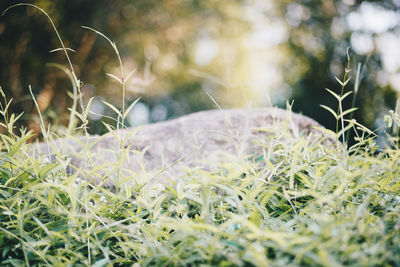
{"type": "Point", "coordinates": [301, 202]}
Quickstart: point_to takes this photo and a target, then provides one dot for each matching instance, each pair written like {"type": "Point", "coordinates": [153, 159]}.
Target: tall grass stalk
{"type": "Point", "coordinates": [340, 113]}
{"type": "Point", "coordinates": [76, 83]}
{"type": "Point", "coordinates": [45, 132]}
{"type": "Point", "coordinates": [122, 80]}
{"type": "Point", "coordinates": [72, 119]}
{"type": "Point", "coordinates": [343, 83]}
{"type": "Point", "coordinates": [360, 72]}
{"type": "Point", "coordinates": [121, 114]}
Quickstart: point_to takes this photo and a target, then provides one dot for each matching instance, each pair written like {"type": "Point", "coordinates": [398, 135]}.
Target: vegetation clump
{"type": "Point", "coordinates": [300, 203]}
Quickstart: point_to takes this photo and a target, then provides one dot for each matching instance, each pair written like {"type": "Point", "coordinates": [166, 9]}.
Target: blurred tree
{"type": "Point", "coordinates": [319, 34]}
{"type": "Point", "coordinates": [159, 38]}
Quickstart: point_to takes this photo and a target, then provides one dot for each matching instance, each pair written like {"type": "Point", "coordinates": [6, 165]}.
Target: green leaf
{"type": "Point", "coordinates": [129, 76]}
{"type": "Point", "coordinates": [19, 116]}
{"type": "Point", "coordinates": [131, 132]}
{"type": "Point", "coordinates": [339, 81]}
{"type": "Point", "coordinates": [333, 93]}
{"type": "Point", "coordinates": [114, 77]}
{"type": "Point", "coordinates": [46, 169]}
{"type": "Point", "coordinates": [365, 129]}
{"type": "Point", "coordinates": [2, 93]}
{"type": "Point", "coordinates": [19, 143]}
{"type": "Point", "coordinates": [130, 107]}
{"type": "Point", "coordinates": [346, 94]}
{"type": "Point", "coordinates": [8, 104]}
{"type": "Point", "coordinates": [99, 33]}
{"type": "Point", "coordinates": [8, 141]}
{"type": "Point", "coordinates": [343, 84]}
{"type": "Point", "coordinates": [113, 108]}
{"type": "Point", "coordinates": [345, 129]}
{"type": "Point", "coordinates": [307, 180]}
{"type": "Point", "coordinates": [76, 114]}
{"type": "Point", "coordinates": [330, 110]}
{"type": "Point", "coordinates": [62, 49]}
{"type": "Point", "coordinates": [87, 108]}
{"type": "Point", "coordinates": [344, 113]}
{"type": "Point", "coordinates": [111, 131]}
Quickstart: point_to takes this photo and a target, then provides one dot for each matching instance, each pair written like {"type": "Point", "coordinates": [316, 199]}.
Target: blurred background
{"type": "Point", "coordinates": [240, 52]}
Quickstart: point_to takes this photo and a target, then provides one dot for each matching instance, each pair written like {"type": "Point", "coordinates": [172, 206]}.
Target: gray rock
{"type": "Point", "coordinates": [162, 150]}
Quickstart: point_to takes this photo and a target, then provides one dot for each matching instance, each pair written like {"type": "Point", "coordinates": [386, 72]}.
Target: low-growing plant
{"type": "Point", "coordinates": [302, 202]}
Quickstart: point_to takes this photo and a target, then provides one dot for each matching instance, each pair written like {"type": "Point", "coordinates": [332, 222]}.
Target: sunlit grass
{"type": "Point", "coordinates": [298, 203]}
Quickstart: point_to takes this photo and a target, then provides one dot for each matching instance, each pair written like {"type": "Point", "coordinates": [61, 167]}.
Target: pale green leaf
{"type": "Point", "coordinates": [333, 93]}
{"type": "Point", "coordinates": [344, 113]}
{"type": "Point", "coordinates": [99, 33]}
{"type": "Point", "coordinates": [19, 143]}
{"type": "Point", "coordinates": [110, 130]}
{"type": "Point", "coordinates": [330, 110]}
{"type": "Point", "coordinates": [346, 95]}
{"type": "Point", "coordinates": [87, 108]}
{"type": "Point", "coordinates": [130, 107]}
{"type": "Point", "coordinates": [129, 76]}
{"type": "Point", "coordinates": [62, 49]}
{"type": "Point", "coordinates": [339, 81]}
{"type": "Point", "coordinates": [80, 116]}
{"type": "Point", "coordinates": [365, 129]}
{"type": "Point", "coordinates": [345, 129]}
{"type": "Point", "coordinates": [114, 77]}
{"type": "Point", "coordinates": [347, 81]}
{"type": "Point", "coordinates": [113, 108]}
{"type": "Point", "coordinates": [44, 170]}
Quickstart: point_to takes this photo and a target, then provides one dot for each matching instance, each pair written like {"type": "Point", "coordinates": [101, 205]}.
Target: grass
{"type": "Point", "coordinates": [300, 202]}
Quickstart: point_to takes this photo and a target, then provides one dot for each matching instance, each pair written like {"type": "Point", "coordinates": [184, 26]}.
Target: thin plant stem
{"type": "Point", "coordinates": [55, 30]}
{"type": "Point", "coordinates": [42, 126]}
{"type": "Point", "coordinates": [340, 107]}
{"type": "Point", "coordinates": [75, 81]}
{"type": "Point", "coordinates": [360, 71]}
